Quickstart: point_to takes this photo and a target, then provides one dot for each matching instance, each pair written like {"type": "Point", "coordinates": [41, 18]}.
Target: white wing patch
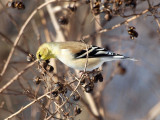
{"type": "Point", "coordinates": [94, 52]}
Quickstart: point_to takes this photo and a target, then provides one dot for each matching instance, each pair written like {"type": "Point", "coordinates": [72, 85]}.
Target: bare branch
{"type": "Point", "coordinates": [21, 32]}
{"type": "Point", "coordinates": [16, 76]}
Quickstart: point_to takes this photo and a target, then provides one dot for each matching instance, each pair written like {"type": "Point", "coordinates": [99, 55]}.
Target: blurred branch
{"type": "Point", "coordinates": [20, 34]}
{"type": "Point", "coordinates": [12, 20]}
{"type": "Point", "coordinates": [44, 23]}
{"type": "Point", "coordinates": [28, 105]}
{"type": "Point", "coordinates": [88, 108]}
{"type": "Point", "coordinates": [151, 9]}
{"type": "Point", "coordinates": [120, 24]}
{"type": "Point", "coordinates": [10, 42]}
{"type": "Point", "coordinates": [35, 29]}
{"type": "Point", "coordinates": [59, 36]}
{"type": "Point", "coordinates": [10, 16]}
{"type": "Point", "coordinates": [92, 104]}
{"type": "Point", "coordinates": [16, 76]}
{"type": "Point", "coordinates": [60, 103]}
{"type": "Point", "coordinates": [154, 112]}
{"type": "Point", "coordinates": [59, 33]}
{"type": "Point", "coordinates": [79, 80]}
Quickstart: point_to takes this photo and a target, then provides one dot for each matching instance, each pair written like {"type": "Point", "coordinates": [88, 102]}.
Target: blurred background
{"type": "Point", "coordinates": [130, 90]}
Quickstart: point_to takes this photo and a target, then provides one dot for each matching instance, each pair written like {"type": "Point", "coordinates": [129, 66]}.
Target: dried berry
{"type": "Point", "coordinates": [108, 16]}
{"type": "Point", "coordinates": [132, 32]}
{"type": "Point", "coordinates": [76, 97]}
{"type": "Point", "coordinates": [58, 86]}
{"type": "Point", "coordinates": [118, 2]}
{"type": "Point", "coordinates": [55, 93]}
{"type": "Point", "coordinates": [30, 57]}
{"type": "Point", "coordinates": [83, 81]}
{"type": "Point", "coordinates": [16, 4]}
{"type": "Point", "coordinates": [37, 80]}
{"type": "Point", "coordinates": [64, 91]}
{"type": "Point", "coordinates": [91, 84]}
{"type": "Point", "coordinates": [95, 80]}
{"type": "Point", "coordinates": [88, 88]}
{"type": "Point", "coordinates": [77, 111]}
{"type": "Point", "coordinates": [73, 9]}
{"type": "Point", "coordinates": [96, 8]}
{"type": "Point", "coordinates": [63, 20]}
{"type": "Point", "coordinates": [131, 3]}
{"type": "Point", "coordinates": [49, 68]}
{"type": "Point", "coordinates": [98, 77]}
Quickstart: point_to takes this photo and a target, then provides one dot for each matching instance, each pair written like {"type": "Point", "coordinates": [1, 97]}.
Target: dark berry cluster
{"type": "Point", "coordinates": [88, 81]}
{"type": "Point", "coordinates": [16, 4]}
{"type": "Point", "coordinates": [64, 90]}
{"type": "Point", "coordinates": [61, 89]}
{"type": "Point", "coordinates": [131, 3]}
{"type": "Point", "coordinates": [132, 32]}
{"type": "Point", "coordinates": [63, 20]}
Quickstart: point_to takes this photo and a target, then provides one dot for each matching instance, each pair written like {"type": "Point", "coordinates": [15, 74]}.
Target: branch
{"type": "Point", "coordinates": [28, 105]}
{"type": "Point", "coordinates": [154, 112]}
{"type": "Point", "coordinates": [10, 42]}
{"type": "Point", "coordinates": [16, 77]}
{"type": "Point", "coordinates": [79, 80]}
{"type": "Point", "coordinates": [20, 34]}
{"type": "Point", "coordinates": [120, 24]}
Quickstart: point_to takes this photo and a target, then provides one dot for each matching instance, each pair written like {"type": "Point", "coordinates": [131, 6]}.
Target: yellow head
{"type": "Point", "coordinates": [45, 52]}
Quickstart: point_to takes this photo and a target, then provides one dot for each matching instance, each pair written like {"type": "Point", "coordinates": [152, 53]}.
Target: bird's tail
{"type": "Point", "coordinates": [121, 57]}
{"type": "Point", "coordinates": [118, 57]}
{"type": "Point", "coordinates": [129, 58]}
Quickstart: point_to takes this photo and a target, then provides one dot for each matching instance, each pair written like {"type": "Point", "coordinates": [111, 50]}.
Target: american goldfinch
{"type": "Point", "coordinates": [77, 54]}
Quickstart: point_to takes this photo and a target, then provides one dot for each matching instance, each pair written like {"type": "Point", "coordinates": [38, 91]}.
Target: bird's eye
{"type": "Point", "coordinates": [39, 56]}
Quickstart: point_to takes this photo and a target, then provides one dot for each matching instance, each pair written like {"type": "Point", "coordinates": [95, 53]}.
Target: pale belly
{"type": "Point", "coordinates": [66, 58]}
{"type": "Point", "coordinates": [80, 64]}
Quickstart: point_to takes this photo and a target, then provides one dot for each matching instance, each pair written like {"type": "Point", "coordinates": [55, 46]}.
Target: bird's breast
{"type": "Point", "coordinates": [68, 59]}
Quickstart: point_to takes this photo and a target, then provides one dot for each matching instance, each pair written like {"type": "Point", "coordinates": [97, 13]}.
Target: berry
{"type": "Point", "coordinates": [88, 88]}
{"type": "Point", "coordinates": [77, 111]}
{"type": "Point", "coordinates": [59, 86]}
{"type": "Point", "coordinates": [99, 77]}
{"type": "Point", "coordinates": [49, 68]}
{"type": "Point", "coordinates": [76, 97]}
{"type": "Point", "coordinates": [55, 93]}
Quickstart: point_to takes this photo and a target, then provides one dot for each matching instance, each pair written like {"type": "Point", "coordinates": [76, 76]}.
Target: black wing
{"type": "Point", "coordinates": [95, 51]}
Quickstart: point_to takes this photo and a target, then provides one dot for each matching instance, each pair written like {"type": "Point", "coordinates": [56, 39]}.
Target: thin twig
{"type": "Point", "coordinates": [16, 77]}
{"type": "Point", "coordinates": [28, 105]}
{"type": "Point", "coordinates": [118, 25]}
{"type": "Point", "coordinates": [153, 112]}
{"type": "Point", "coordinates": [20, 34]}
{"type": "Point", "coordinates": [150, 8]}
{"type": "Point", "coordinates": [10, 42]}
{"type": "Point", "coordinates": [79, 81]}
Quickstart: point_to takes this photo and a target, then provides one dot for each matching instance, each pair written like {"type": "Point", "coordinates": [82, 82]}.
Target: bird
{"type": "Point", "coordinates": [78, 55]}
